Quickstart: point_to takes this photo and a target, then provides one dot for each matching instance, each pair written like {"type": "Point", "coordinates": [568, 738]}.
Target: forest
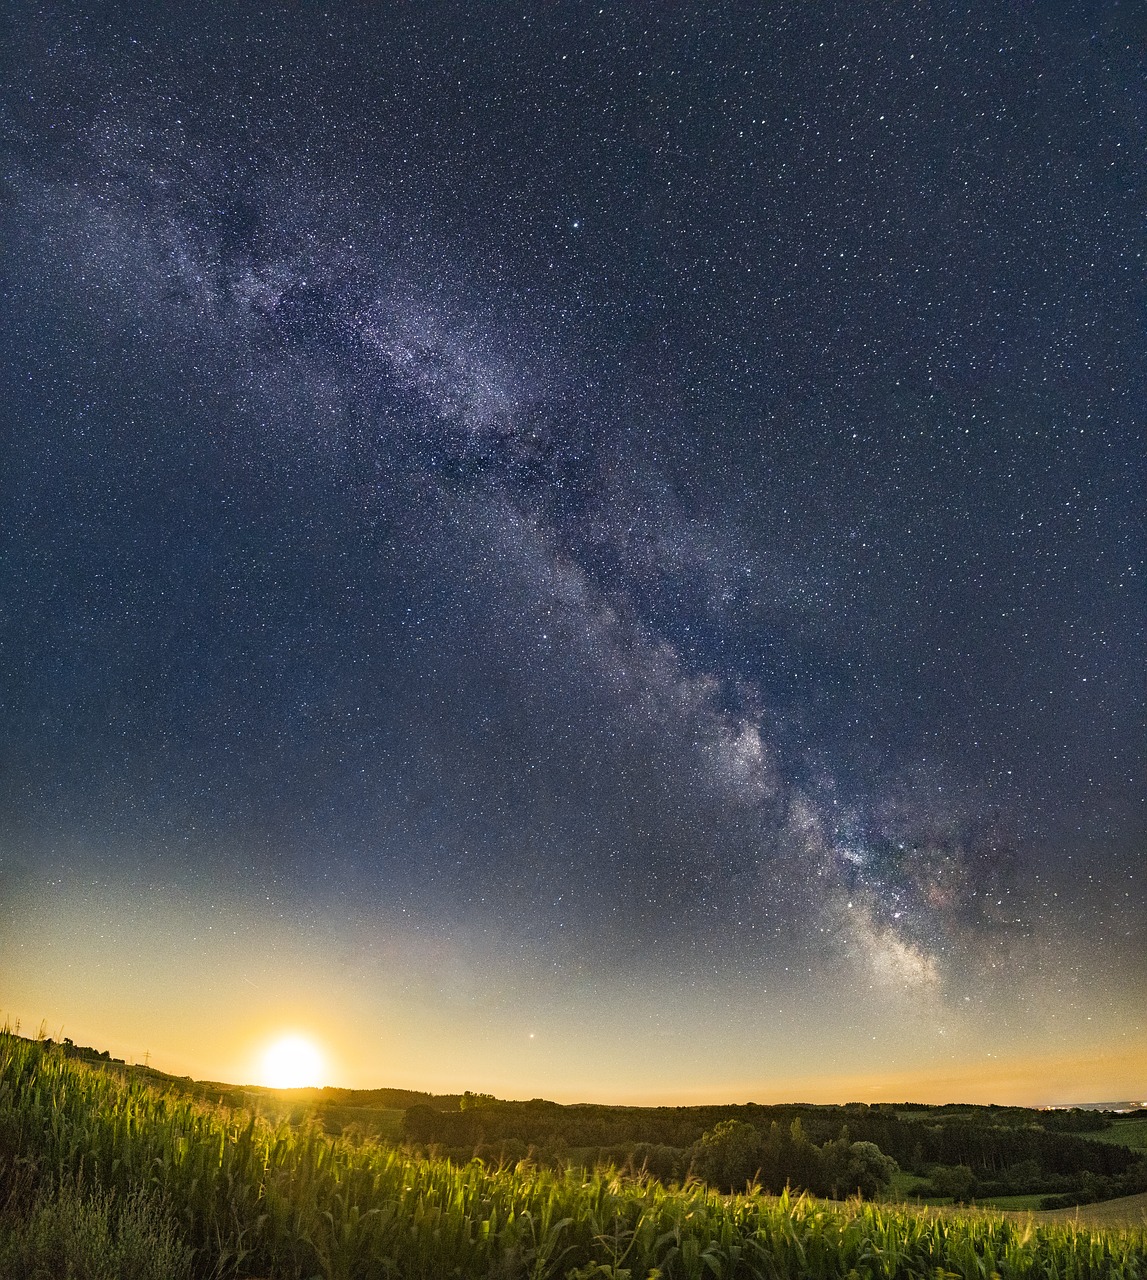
{"type": "Point", "coordinates": [108, 1172]}
{"type": "Point", "coordinates": [962, 1153]}
{"type": "Point", "coordinates": [957, 1153]}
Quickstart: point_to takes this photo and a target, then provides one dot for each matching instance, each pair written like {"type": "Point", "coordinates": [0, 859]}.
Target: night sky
{"type": "Point", "coordinates": [593, 552]}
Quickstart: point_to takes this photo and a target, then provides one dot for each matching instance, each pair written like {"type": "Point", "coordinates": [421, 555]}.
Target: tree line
{"type": "Point", "coordinates": [964, 1152]}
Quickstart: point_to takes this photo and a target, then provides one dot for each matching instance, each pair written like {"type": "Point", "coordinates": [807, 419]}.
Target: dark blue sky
{"type": "Point", "coordinates": [649, 497]}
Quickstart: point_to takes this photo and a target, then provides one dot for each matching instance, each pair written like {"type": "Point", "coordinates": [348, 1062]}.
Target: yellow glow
{"type": "Point", "coordinates": [292, 1063]}
{"type": "Point", "coordinates": [203, 990]}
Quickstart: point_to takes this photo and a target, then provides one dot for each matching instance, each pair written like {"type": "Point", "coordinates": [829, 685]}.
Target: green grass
{"type": "Point", "coordinates": [64, 1232]}
{"type": "Point", "coordinates": [1014, 1203]}
{"type": "Point", "coordinates": [1126, 1133]}
{"type": "Point", "coordinates": [242, 1197]}
{"type": "Point", "coordinates": [1126, 1212]}
{"type": "Point", "coordinates": [906, 1186]}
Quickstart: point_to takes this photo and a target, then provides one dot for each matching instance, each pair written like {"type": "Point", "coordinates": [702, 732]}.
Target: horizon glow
{"type": "Point", "coordinates": [594, 555]}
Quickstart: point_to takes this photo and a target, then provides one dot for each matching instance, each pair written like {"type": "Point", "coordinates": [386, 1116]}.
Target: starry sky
{"type": "Point", "coordinates": [591, 551]}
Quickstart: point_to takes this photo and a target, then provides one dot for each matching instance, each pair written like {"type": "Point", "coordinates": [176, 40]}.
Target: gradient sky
{"type": "Point", "coordinates": [592, 551]}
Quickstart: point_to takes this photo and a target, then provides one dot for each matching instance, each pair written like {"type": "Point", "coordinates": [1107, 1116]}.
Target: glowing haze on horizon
{"type": "Point", "coordinates": [590, 552]}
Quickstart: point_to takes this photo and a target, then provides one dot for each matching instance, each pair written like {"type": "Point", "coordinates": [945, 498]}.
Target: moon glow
{"type": "Point", "coordinates": [292, 1062]}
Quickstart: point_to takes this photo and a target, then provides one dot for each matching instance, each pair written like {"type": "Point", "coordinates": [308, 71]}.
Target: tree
{"type": "Point", "coordinates": [728, 1156]}
{"type": "Point", "coordinates": [421, 1124]}
{"type": "Point", "coordinates": [957, 1181]}
{"type": "Point", "coordinates": [867, 1170]}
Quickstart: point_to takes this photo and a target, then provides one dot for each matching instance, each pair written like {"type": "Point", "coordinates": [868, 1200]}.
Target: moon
{"type": "Point", "coordinates": [292, 1062]}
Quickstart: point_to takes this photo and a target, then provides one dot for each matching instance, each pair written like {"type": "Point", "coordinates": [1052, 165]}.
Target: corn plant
{"type": "Point", "coordinates": [250, 1198]}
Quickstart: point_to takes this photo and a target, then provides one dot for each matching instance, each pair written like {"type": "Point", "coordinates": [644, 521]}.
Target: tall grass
{"type": "Point", "coordinates": [248, 1198]}
{"type": "Point", "coordinates": [68, 1234]}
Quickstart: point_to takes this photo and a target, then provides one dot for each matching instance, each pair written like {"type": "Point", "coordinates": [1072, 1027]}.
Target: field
{"type": "Point", "coordinates": [1126, 1133]}
{"type": "Point", "coordinates": [105, 1176]}
{"type": "Point", "coordinates": [1128, 1211]}
{"type": "Point", "coordinates": [1014, 1204]}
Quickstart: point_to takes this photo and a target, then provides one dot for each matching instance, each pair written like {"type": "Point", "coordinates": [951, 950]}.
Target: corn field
{"type": "Point", "coordinates": [232, 1195]}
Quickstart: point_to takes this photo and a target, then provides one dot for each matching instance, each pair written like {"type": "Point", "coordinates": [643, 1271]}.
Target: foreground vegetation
{"type": "Point", "coordinates": [953, 1154]}
{"type": "Point", "coordinates": [992, 1156]}
{"type": "Point", "coordinates": [102, 1175]}
{"type": "Point", "coordinates": [1128, 1211]}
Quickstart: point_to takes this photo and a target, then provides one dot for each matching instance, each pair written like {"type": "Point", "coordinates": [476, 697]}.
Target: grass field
{"type": "Point", "coordinates": [1127, 1133]}
{"type": "Point", "coordinates": [906, 1186]}
{"type": "Point", "coordinates": [1129, 1212]}
{"type": "Point", "coordinates": [104, 1177]}
{"type": "Point", "coordinates": [1014, 1204]}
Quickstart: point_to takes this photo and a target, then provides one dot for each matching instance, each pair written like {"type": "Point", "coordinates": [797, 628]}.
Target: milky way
{"type": "Point", "coordinates": [667, 522]}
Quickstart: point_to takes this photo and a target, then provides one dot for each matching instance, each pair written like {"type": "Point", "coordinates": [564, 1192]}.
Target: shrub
{"type": "Point", "coordinates": [92, 1237]}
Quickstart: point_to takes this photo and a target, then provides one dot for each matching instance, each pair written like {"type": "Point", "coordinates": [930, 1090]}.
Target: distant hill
{"type": "Point", "coordinates": [1119, 1107]}
{"type": "Point", "coordinates": [957, 1152]}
